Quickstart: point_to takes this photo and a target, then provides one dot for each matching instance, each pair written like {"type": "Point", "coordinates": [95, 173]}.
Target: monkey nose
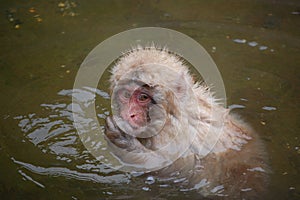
{"type": "Point", "coordinates": [132, 115]}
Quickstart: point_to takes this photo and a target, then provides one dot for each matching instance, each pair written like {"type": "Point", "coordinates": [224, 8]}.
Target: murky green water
{"type": "Point", "coordinates": [255, 44]}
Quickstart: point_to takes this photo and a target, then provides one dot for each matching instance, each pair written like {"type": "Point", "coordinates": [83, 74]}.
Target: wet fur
{"type": "Point", "coordinates": [238, 159]}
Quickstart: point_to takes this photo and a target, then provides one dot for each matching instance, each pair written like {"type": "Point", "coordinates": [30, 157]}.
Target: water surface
{"type": "Point", "coordinates": [255, 44]}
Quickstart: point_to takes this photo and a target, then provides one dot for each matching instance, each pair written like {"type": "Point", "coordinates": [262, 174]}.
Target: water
{"type": "Point", "coordinates": [255, 45]}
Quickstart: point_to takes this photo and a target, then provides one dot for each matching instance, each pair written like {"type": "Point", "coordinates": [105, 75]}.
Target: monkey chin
{"type": "Point", "coordinates": [223, 155]}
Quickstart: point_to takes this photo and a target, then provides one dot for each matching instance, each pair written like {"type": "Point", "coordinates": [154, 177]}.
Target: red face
{"type": "Point", "coordinates": [135, 106]}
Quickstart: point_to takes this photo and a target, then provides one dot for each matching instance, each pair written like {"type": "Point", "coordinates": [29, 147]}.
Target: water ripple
{"type": "Point", "coordinates": [61, 171]}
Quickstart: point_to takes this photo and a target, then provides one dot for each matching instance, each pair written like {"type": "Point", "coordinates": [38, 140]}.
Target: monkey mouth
{"type": "Point", "coordinates": [137, 121]}
{"type": "Point", "coordinates": [137, 127]}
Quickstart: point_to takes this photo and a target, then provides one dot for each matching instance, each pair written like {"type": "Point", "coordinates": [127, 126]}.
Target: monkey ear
{"type": "Point", "coordinates": [170, 104]}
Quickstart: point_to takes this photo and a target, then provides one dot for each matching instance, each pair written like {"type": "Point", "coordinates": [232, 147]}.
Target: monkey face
{"type": "Point", "coordinates": [135, 105]}
{"type": "Point", "coordinates": [136, 110]}
{"type": "Point", "coordinates": [146, 98]}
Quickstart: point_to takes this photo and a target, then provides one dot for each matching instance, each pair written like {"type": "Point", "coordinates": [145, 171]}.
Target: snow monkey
{"type": "Point", "coordinates": [162, 117]}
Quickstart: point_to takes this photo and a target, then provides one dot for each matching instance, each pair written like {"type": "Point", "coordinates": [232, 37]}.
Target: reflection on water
{"type": "Point", "coordinates": [252, 44]}
{"type": "Point", "coordinates": [55, 134]}
{"type": "Point", "coordinates": [256, 46]}
{"type": "Point", "coordinates": [60, 171]}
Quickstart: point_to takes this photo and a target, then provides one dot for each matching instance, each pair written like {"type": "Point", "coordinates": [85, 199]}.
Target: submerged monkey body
{"type": "Point", "coordinates": [165, 118]}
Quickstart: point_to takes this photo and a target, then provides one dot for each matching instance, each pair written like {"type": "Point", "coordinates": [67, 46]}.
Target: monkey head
{"type": "Point", "coordinates": [141, 104]}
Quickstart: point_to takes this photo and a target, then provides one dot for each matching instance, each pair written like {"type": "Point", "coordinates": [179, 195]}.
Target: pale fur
{"type": "Point", "coordinates": [208, 112]}
{"type": "Point", "coordinates": [217, 135]}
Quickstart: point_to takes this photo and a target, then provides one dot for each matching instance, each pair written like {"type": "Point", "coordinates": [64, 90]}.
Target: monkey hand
{"type": "Point", "coordinates": [130, 150]}
{"type": "Point", "coordinates": [121, 139]}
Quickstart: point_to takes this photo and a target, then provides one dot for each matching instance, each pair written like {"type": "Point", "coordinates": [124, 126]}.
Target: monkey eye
{"type": "Point", "coordinates": [143, 97]}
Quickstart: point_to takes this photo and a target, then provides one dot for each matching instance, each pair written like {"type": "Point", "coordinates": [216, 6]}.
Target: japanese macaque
{"type": "Point", "coordinates": [164, 121]}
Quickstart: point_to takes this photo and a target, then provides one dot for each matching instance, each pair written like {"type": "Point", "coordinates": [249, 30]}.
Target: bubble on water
{"type": "Point", "coordinates": [150, 180]}
{"type": "Point", "coordinates": [252, 44]}
{"type": "Point", "coordinates": [262, 48]}
{"type": "Point", "coordinates": [269, 108]}
{"type": "Point", "coordinates": [145, 188]}
{"type": "Point", "coordinates": [240, 41]}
